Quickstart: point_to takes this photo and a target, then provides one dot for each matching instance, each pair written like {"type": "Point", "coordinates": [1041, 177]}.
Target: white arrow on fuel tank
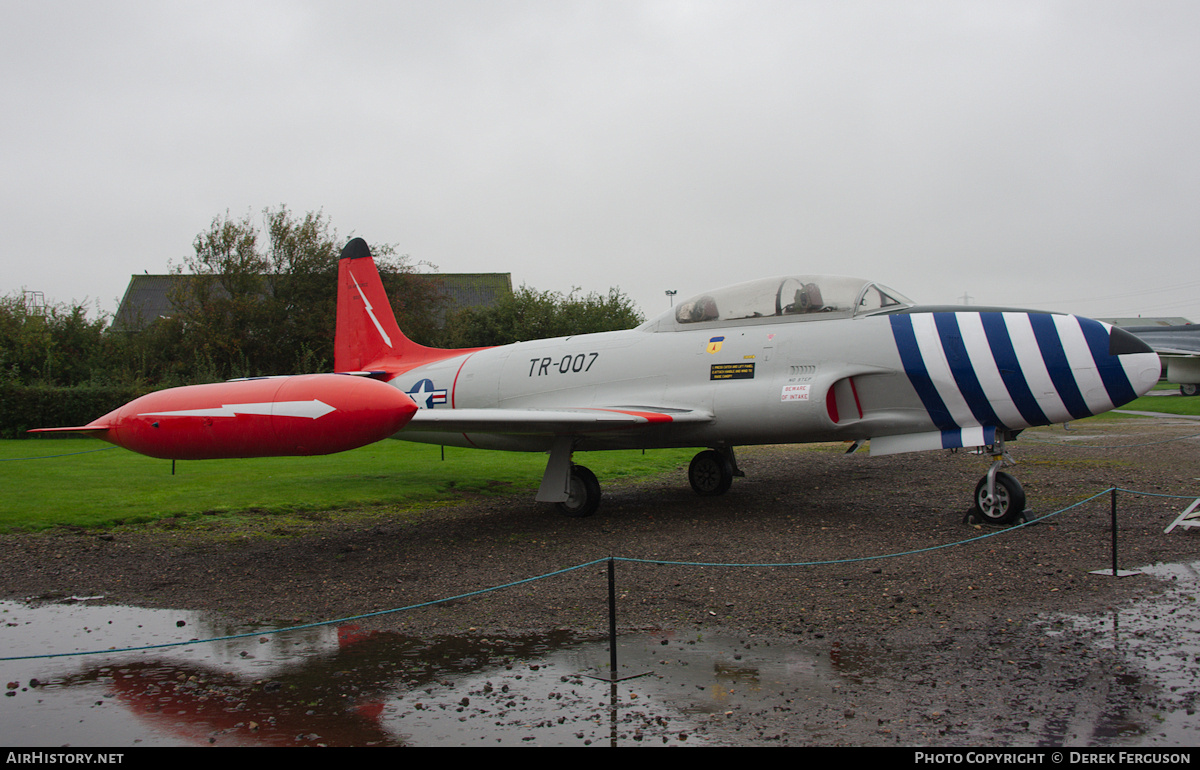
{"type": "Point", "coordinates": [311, 409]}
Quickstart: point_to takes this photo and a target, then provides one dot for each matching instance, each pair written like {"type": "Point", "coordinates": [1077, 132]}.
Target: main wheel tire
{"type": "Point", "coordinates": [584, 494]}
{"type": "Point", "coordinates": [710, 473]}
{"type": "Point", "coordinates": [1189, 389]}
{"type": "Point", "coordinates": [1008, 503]}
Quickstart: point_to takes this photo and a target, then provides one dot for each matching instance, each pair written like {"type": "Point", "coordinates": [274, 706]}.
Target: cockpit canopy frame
{"type": "Point", "coordinates": [783, 299]}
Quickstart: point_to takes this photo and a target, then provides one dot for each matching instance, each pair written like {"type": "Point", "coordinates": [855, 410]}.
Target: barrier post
{"type": "Point", "coordinates": [612, 631]}
{"type": "Point", "coordinates": [612, 618]}
{"type": "Point", "coordinates": [1113, 507]}
{"type": "Point", "coordinates": [1114, 572]}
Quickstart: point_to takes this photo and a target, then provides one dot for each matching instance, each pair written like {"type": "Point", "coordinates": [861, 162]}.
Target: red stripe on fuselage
{"type": "Point", "coordinates": [454, 384]}
{"type": "Point", "coordinates": [647, 416]}
{"type": "Point", "coordinates": [454, 390]}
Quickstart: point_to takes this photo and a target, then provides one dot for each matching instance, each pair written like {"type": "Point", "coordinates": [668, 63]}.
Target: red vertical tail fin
{"type": "Point", "coordinates": [368, 337]}
{"type": "Point", "coordinates": [367, 332]}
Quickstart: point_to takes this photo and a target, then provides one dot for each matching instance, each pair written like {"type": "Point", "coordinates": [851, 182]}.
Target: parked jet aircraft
{"type": "Point", "coordinates": [781, 360]}
{"type": "Point", "coordinates": [1179, 347]}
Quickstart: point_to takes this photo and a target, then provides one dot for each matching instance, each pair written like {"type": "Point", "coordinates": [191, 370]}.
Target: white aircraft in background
{"type": "Point", "coordinates": [1179, 348]}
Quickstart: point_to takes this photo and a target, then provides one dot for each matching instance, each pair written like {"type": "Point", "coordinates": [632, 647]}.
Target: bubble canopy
{"type": "Point", "coordinates": [786, 298]}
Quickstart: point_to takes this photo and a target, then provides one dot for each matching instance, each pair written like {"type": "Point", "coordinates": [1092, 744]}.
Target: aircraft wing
{"type": "Point", "coordinates": [1169, 340]}
{"type": "Point", "coordinates": [1179, 349]}
{"type": "Point", "coordinates": [549, 421]}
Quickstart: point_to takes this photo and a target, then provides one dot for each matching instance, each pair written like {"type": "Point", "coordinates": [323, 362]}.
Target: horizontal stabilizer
{"type": "Point", "coordinates": [937, 439]}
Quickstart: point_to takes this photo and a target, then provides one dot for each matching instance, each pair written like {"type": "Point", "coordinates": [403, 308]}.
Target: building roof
{"type": "Point", "coordinates": [1146, 321]}
{"type": "Point", "coordinates": [148, 296]}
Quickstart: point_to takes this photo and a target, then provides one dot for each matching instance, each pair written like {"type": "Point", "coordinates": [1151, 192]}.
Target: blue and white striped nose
{"type": "Point", "coordinates": [1016, 369]}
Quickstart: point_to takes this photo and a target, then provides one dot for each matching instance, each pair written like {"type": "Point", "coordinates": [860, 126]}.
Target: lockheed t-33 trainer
{"type": "Point", "coordinates": [791, 359]}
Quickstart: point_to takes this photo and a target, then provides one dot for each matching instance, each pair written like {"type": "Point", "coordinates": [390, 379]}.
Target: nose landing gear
{"type": "Point", "coordinates": [999, 498]}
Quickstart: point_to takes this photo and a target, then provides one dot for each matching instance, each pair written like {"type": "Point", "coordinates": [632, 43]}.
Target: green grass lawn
{"type": "Point", "coordinates": [1171, 404]}
{"type": "Point", "coordinates": [115, 486]}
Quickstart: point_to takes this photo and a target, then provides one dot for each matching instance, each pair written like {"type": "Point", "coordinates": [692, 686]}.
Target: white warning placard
{"type": "Point", "coordinates": [794, 393]}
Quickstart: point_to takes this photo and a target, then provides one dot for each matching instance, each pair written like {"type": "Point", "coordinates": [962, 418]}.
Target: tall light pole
{"type": "Point", "coordinates": [671, 295]}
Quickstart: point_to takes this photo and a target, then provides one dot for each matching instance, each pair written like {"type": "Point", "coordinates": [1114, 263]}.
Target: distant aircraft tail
{"type": "Point", "coordinates": [368, 337]}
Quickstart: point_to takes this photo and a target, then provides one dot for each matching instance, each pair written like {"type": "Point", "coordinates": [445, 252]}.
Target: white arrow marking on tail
{"type": "Point", "coordinates": [371, 312]}
{"type": "Point", "coordinates": [311, 409]}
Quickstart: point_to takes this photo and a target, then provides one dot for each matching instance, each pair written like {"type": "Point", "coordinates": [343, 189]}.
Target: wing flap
{"type": "Point", "coordinates": [545, 421]}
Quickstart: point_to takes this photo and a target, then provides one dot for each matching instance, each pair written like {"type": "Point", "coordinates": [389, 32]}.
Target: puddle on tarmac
{"type": "Point", "coordinates": [1160, 635]}
{"type": "Point", "coordinates": [344, 686]}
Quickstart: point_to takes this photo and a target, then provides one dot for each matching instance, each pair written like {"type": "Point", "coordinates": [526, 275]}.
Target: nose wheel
{"type": "Point", "coordinates": [1004, 504]}
{"type": "Point", "coordinates": [999, 498]}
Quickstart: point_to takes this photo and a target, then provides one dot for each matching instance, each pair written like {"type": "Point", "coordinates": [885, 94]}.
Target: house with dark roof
{"type": "Point", "coordinates": [148, 297]}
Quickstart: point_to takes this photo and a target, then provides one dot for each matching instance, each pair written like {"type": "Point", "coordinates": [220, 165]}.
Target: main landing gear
{"type": "Point", "coordinates": [999, 498]}
{"type": "Point", "coordinates": [576, 493]}
{"type": "Point", "coordinates": [583, 494]}
{"type": "Point", "coordinates": [712, 471]}
{"type": "Point", "coordinates": [572, 488]}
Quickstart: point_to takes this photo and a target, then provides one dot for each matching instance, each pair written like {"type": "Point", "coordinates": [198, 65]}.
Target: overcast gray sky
{"type": "Point", "coordinates": [1032, 154]}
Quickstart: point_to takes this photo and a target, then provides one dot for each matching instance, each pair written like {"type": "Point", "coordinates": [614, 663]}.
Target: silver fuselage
{"type": "Point", "coordinates": [802, 379]}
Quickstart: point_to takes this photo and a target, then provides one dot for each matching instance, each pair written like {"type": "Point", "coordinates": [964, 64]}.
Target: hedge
{"type": "Point", "coordinates": [28, 406]}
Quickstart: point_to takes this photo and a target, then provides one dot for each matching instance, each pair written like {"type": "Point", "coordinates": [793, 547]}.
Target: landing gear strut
{"type": "Point", "coordinates": [999, 498]}
{"type": "Point", "coordinates": [573, 488]}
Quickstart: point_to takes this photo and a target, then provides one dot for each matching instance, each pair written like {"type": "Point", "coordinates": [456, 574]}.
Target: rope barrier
{"type": "Point", "coordinates": [584, 565]}
{"type": "Point", "coordinates": [871, 558]}
{"type": "Point", "coordinates": [310, 625]}
{"type": "Point", "coordinates": [51, 457]}
{"type": "Point", "coordinates": [1153, 494]}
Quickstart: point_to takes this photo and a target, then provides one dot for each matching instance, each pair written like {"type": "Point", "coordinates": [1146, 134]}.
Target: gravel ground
{"type": "Point", "coordinates": [938, 646]}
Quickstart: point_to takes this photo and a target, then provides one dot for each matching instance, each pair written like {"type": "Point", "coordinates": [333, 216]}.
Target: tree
{"type": "Point", "coordinates": [51, 345]}
{"type": "Point", "coordinates": [266, 303]}
{"type": "Point", "coordinates": [222, 310]}
{"type": "Point", "coordinates": [529, 314]}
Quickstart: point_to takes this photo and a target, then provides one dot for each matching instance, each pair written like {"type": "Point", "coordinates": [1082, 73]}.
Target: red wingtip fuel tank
{"type": "Point", "coordinates": [310, 414]}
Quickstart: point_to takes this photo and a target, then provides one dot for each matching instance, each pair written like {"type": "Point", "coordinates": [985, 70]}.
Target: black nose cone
{"type": "Point", "coordinates": [1121, 342]}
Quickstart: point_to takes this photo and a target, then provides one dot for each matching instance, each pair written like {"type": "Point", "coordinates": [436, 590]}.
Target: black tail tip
{"type": "Point", "coordinates": [357, 248]}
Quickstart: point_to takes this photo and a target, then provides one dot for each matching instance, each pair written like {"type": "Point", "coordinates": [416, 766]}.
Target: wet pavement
{"type": "Point", "coordinates": [345, 686]}
{"type": "Point", "coordinates": [349, 686]}
{"type": "Point", "coordinates": [1158, 639]}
